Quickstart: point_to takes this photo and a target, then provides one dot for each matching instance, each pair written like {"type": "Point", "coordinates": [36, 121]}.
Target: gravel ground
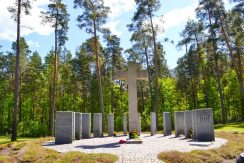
{"type": "Point", "coordinates": [140, 153]}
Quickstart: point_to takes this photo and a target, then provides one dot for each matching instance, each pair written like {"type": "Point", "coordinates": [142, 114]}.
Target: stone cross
{"type": "Point", "coordinates": [131, 76]}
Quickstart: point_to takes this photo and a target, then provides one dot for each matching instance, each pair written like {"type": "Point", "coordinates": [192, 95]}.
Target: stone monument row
{"type": "Point", "coordinates": [197, 124]}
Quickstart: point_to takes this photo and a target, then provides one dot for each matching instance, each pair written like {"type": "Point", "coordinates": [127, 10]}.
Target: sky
{"type": "Point", "coordinates": [40, 37]}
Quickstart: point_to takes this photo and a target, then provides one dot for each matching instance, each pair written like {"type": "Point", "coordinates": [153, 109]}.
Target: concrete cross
{"type": "Point", "coordinates": [131, 76]}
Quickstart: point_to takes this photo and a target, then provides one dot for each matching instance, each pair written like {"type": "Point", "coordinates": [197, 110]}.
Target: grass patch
{"type": "Point", "coordinates": [237, 127]}
{"type": "Point", "coordinates": [7, 139]}
{"type": "Point", "coordinates": [88, 158]}
{"type": "Point", "coordinates": [226, 152]}
{"type": "Point", "coordinates": [32, 151]}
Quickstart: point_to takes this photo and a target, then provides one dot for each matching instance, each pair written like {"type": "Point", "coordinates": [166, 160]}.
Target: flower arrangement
{"type": "Point", "coordinates": [122, 141]}
{"type": "Point", "coordinates": [191, 133]}
{"type": "Point", "coordinates": [133, 134]}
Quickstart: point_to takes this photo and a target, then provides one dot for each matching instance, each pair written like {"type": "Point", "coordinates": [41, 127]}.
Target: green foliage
{"type": "Point", "coordinates": [194, 83]}
{"type": "Point", "coordinates": [237, 127]}
{"type": "Point", "coordinates": [133, 134]}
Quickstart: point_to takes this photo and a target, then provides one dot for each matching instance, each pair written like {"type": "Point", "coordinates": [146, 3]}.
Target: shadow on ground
{"type": "Point", "coordinates": [110, 145]}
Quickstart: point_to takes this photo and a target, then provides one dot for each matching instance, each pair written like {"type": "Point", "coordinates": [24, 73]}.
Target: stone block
{"type": "Point", "coordinates": [86, 125]}
{"type": "Point", "coordinates": [204, 124]}
{"type": "Point", "coordinates": [188, 123]}
{"type": "Point", "coordinates": [153, 123]}
{"type": "Point", "coordinates": [97, 125]}
{"type": "Point", "coordinates": [125, 124]}
{"type": "Point", "coordinates": [194, 124]}
{"type": "Point", "coordinates": [64, 130]}
{"type": "Point", "coordinates": [111, 124]}
{"type": "Point", "coordinates": [167, 124]}
{"type": "Point", "coordinates": [139, 124]}
{"type": "Point", "coordinates": [179, 123]}
{"type": "Point", "coordinates": [78, 125]}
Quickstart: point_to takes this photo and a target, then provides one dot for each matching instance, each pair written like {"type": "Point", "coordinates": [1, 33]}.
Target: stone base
{"type": "Point", "coordinates": [133, 141]}
{"type": "Point", "coordinates": [201, 143]}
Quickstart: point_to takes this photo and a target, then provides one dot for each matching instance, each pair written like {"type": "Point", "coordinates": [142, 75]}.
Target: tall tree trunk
{"type": "Point", "coordinates": [50, 101]}
{"type": "Point", "coordinates": [54, 82]}
{"type": "Point", "coordinates": [240, 79]}
{"type": "Point", "coordinates": [203, 72]}
{"type": "Point", "coordinates": [216, 56]}
{"type": "Point", "coordinates": [156, 66]}
{"type": "Point", "coordinates": [17, 69]}
{"type": "Point", "coordinates": [112, 84]}
{"type": "Point", "coordinates": [1, 111]}
{"type": "Point", "coordinates": [220, 88]}
{"type": "Point", "coordinates": [20, 100]}
{"type": "Point", "coordinates": [99, 76]}
{"type": "Point", "coordinates": [83, 109]}
{"type": "Point", "coordinates": [193, 94]}
{"type": "Point", "coordinates": [142, 97]}
{"type": "Point", "coordinates": [149, 80]}
{"type": "Point", "coordinates": [237, 66]}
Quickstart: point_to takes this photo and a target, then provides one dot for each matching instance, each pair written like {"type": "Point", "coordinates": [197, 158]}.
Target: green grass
{"type": "Point", "coordinates": [233, 132]}
{"type": "Point", "coordinates": [31, 150]}
{"type": "Point", "coordinates": [7, 139]}
{"type": "Point", "coordinates": [237, 127]}
{"type": "Point", "coordinates": [229, 151]}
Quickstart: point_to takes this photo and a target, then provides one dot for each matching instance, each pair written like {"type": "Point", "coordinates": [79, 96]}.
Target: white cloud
{"type": "Point", "coordinates": [113, 26]}
{"type": "Point", "coordinates": [117, 7]}
{"type": "Point", "coordinates": [33, 44]}
{"type": "Point", "coordinates": [33, 21]}
{"type": "Point", "coordinates": [177, 17]}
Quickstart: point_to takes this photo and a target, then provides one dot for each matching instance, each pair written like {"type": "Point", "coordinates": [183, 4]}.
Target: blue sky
{"type": "Point", "coordinates": [41, 37]}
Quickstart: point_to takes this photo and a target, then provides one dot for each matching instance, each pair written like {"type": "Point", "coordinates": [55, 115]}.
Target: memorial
{"type": "Point", "coordinates": [65, 127]}
{"type": "Point", "coordinates": [153, 123]}
{"type": "Point", "coordinates": [78, 125]}
{"type": "Point", "coordinates": [86, 125]}
{"type": "Point", "coordinates": [204, 124]}
{"type": "Point", "coordinates": [111, 124]}
{"type": "Point", "coordinates": [125, 124]}
{"type": "Point", "coordinates": [167, 124]}
{"type": "Point", "coordinates": [179, 123]}
{"type": "Point", "coordinates": [188, 124]}
{"type": "Point", "coordinates": [139, 124]}
{"type": "Point", "coordinates": [97, 125]}
{"type": "Point", "coordinates": [131, 76]}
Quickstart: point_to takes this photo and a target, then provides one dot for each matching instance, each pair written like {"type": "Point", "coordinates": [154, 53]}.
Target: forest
{"type": "Point", "coordinates": [209, 74]}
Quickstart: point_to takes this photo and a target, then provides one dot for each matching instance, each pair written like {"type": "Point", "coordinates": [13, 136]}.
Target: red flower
{"type": "Point", "coordinates": [122, 141]}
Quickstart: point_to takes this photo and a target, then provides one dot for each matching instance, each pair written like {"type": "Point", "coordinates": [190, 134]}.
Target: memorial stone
{"type": "Point", "coordinates": [64, 130]}
{"type": "Point", "coordinates": [86, 125]}
{"type": "Point", "coordinates": [179, 123]}
{"type": "Point", "coordinates": [131, 76]}
{"type": "Point", "coordinates": [167, 123]}
{"type": "Point", "coordinates": [153, 123]}
{"type": "Point", "coordinates": [78, 125]}
{"type": "Point", "coordinates": [204, 124]}
{"type": "Point", "coordinates": [97, 125]}
{"type": "Point", "coordinates": [111, 124]}
{"type": "Point", "coordinates": [125, 123]}
{"type": "Point", "coordinates": [139, 124]}
{"type": "Point", "coordinates": [188, 123]}
{"type": "Point", "coordinates": [194, 124]}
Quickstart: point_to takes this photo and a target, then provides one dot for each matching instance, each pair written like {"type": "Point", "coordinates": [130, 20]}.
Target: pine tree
{"type": "Point", "coordinates": [93, 17]}
{"type": "Point", "coordinates": [58, 18]}
{"type": "Point", "coordinates": [16, 14]}
{"type": "Point", "coordinates": [146, 10]}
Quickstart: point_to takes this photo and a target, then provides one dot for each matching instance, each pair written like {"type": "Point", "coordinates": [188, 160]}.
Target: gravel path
{"type": "Point", "coordinates": [145, 152]}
